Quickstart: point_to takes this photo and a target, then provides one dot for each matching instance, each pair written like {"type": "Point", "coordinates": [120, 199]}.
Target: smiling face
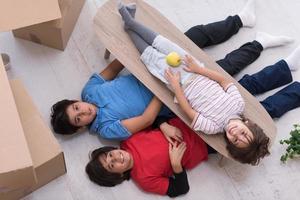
{"type": "Point", "coordinates": [116, 161]}
{"type": "Point", "coordinates": [81, 113]}
{"type": "Point", "coordinates": [238, 133]}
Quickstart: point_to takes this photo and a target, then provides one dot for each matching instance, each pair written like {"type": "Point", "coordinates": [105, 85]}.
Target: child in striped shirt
{"type": "Point", "coordinates": [211, 101]}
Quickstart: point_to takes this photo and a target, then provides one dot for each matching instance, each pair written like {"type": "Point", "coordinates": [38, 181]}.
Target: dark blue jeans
{"type": "Point", "coordinates": [272, 77]}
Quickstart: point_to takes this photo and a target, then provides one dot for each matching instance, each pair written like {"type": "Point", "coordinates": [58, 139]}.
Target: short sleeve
{"type": "Point", "coordinates": [205, 125]}
{"type": "Point", "coordinates": [115, 131]}
{"type": "Point", "coordinates": [95, 79]}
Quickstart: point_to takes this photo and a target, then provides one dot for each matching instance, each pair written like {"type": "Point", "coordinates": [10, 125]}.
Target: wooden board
{"type": "Point", "coordinates": [109, 29]}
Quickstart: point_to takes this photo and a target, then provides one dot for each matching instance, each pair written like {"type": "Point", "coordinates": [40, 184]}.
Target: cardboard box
{"type": "Point", "coordinates": [29, 153]}
{"type": "Point", "coordinates": [16, 168]}
{"type": "Point", "coordinates": [55, 33]}
{"type": "Point", "coordinates": [16, 14]}
{"type": "Point", "coordinates": [47, 156]}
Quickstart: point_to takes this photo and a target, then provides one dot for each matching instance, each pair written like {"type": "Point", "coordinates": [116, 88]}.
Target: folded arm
{"type": "Point", "coordinates": [138, 123]}
{"type": "Point", "coordinates": [112, 70]}
{"type": "Point", "coordinates": [179, 183]}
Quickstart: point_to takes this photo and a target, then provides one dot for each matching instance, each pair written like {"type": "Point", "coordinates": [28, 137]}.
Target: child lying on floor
{"type": "Point", "coordinates": [211, 101]}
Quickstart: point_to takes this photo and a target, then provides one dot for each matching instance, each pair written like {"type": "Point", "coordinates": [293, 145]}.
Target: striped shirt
{"type": "Point", "coordinates": [214, 105]}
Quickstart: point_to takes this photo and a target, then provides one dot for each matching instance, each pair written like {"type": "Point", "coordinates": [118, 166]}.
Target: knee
{"type": "Point", "coordinates": [193, 33]}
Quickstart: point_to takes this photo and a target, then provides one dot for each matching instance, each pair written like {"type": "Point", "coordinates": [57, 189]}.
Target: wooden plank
{"type": "Point", "coordinates": [109, 28]}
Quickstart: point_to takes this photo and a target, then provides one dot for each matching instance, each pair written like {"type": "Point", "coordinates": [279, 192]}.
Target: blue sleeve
{"type": "Point", "coordinates": [95, 79]}
{"type": "Point", "coordinates": [114, 131]}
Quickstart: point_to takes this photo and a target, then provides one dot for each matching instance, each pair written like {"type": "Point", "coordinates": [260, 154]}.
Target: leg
{"type": "Point", "coordinates": [214, 33]}
{"type": "Point", "coordinates": [293, 60]}
{"type": "Point", "coordinates": [139, 43]}
{"type": "Point", "coordinates": [166, 46]}
{"type": "Point", "coordinates": [240, 58]}
{"type": "Point", "coordinates": [237, 60]}
{"type": "Point", "coordinates": [268, 78]}
{"type": "Point", "coordinates": [145, 33]}
{"type": "Point", "coordinates": [283, 101]}
{"type": "Point", "coordinates": [154, 60]}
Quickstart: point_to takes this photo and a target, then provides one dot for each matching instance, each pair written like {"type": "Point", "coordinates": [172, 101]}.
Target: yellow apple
{"type": "Point", "coordinates": [173, 59]}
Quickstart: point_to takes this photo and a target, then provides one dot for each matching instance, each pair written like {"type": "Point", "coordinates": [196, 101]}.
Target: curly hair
{"type": "Point", "coordinates": [99, 175]}
{"type": "Point", "coordinates": [60, 120]}
{"type": "Point", "coordinates": [257, 148]}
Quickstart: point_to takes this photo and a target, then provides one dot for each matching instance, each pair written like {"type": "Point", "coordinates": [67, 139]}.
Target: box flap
{"type": "Point", "coordinates": [14, 153]}
{"type": "Point", "coordinates": [42, 144]}
{"type": "Point", "coordinates": [20, 13]}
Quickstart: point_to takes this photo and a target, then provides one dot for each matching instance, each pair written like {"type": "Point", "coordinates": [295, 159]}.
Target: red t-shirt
{"type": "Point", "coordinates": [150, 151]}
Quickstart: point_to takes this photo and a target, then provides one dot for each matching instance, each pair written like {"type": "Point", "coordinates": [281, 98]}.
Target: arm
{"type": "Point", "coordinates": [184, 104]}
{"type": "Point", "coordinates": [138, 123]}
{"type": "Point", "coordinates": [170, 132]}
{"type": "Point", "coordinates": [112, 70]}
{"type": "Point", "coordinates": [178, 185]}
{"type": "Point", "coordinates": [173, 79]}
{"type": "Point", "coordinates": [192, 66]}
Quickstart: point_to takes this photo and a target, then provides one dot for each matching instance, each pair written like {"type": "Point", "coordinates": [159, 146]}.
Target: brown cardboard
{"type": "Point", "coordinates": [109, 29]}
{"type": "Point", "coordinates": [16, 14]}
{"type": "Point", "coordinates": [47, 156]}
{"type": "Point", "coordinates": [55, 33]}
{"type": "Point", "coordinates": [16, 168]}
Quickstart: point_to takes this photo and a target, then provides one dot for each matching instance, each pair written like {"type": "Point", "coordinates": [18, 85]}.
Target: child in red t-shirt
{"type": "Point", "coordinates": [150, 160]}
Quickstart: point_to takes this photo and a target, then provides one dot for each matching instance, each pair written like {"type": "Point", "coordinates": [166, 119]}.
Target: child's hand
{"type": "Point", "coordinates": [171, 133]}
{"type": "Point", "coordinates": [191, 65]}
{"type": "Point", "coordinates": [173, 79]}
{"type": "Point", "coordinates": [176, 153]}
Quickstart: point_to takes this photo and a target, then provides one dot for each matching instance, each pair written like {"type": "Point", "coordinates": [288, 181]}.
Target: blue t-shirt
{"type": "Point", "coordinates": [121, 98]}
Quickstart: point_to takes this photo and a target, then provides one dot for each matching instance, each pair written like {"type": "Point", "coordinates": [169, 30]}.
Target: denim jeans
{"type": "Point", "coordinates": [272, 77]}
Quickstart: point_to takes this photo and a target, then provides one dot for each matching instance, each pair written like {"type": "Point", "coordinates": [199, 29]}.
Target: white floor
{"type": "Point", "coordinates": [51, 75]}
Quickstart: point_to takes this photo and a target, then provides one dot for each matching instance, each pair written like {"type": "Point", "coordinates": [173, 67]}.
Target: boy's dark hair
{"type": "Point", "coordinates": [98, 174]}
{"type": "Point", "coordinates": [257, 149]}
{"type": "Point", "coordinates": [60, 120]}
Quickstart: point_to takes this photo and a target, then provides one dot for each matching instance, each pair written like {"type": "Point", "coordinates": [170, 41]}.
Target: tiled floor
{"type": "Point", "coordinates": [51, 75]}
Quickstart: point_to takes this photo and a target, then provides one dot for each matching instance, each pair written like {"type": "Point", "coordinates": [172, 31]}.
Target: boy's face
{"type": "Point", "coordinates": [81, 113]}
{"type": "Point", "coordinates": [238, 133]}
{"type": "Point", "coordinates": [116, 161]}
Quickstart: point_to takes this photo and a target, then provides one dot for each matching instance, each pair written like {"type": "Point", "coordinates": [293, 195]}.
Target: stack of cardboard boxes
{"type": "Point", "coordinates": [29, 153]}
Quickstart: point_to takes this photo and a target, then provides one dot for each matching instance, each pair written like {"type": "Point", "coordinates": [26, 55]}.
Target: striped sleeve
{"type": "Point", "coordinates": [205, 125]}
{"type": "Point", "coordinates": [234, 92]}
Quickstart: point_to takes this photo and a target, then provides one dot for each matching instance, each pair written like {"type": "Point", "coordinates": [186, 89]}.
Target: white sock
{"type": "Point", "coordinates": [247, 15]}
{"type": "Point", "coordinates": [293, 60]}
{"type": "Point", "coordinates": [266, 40]}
